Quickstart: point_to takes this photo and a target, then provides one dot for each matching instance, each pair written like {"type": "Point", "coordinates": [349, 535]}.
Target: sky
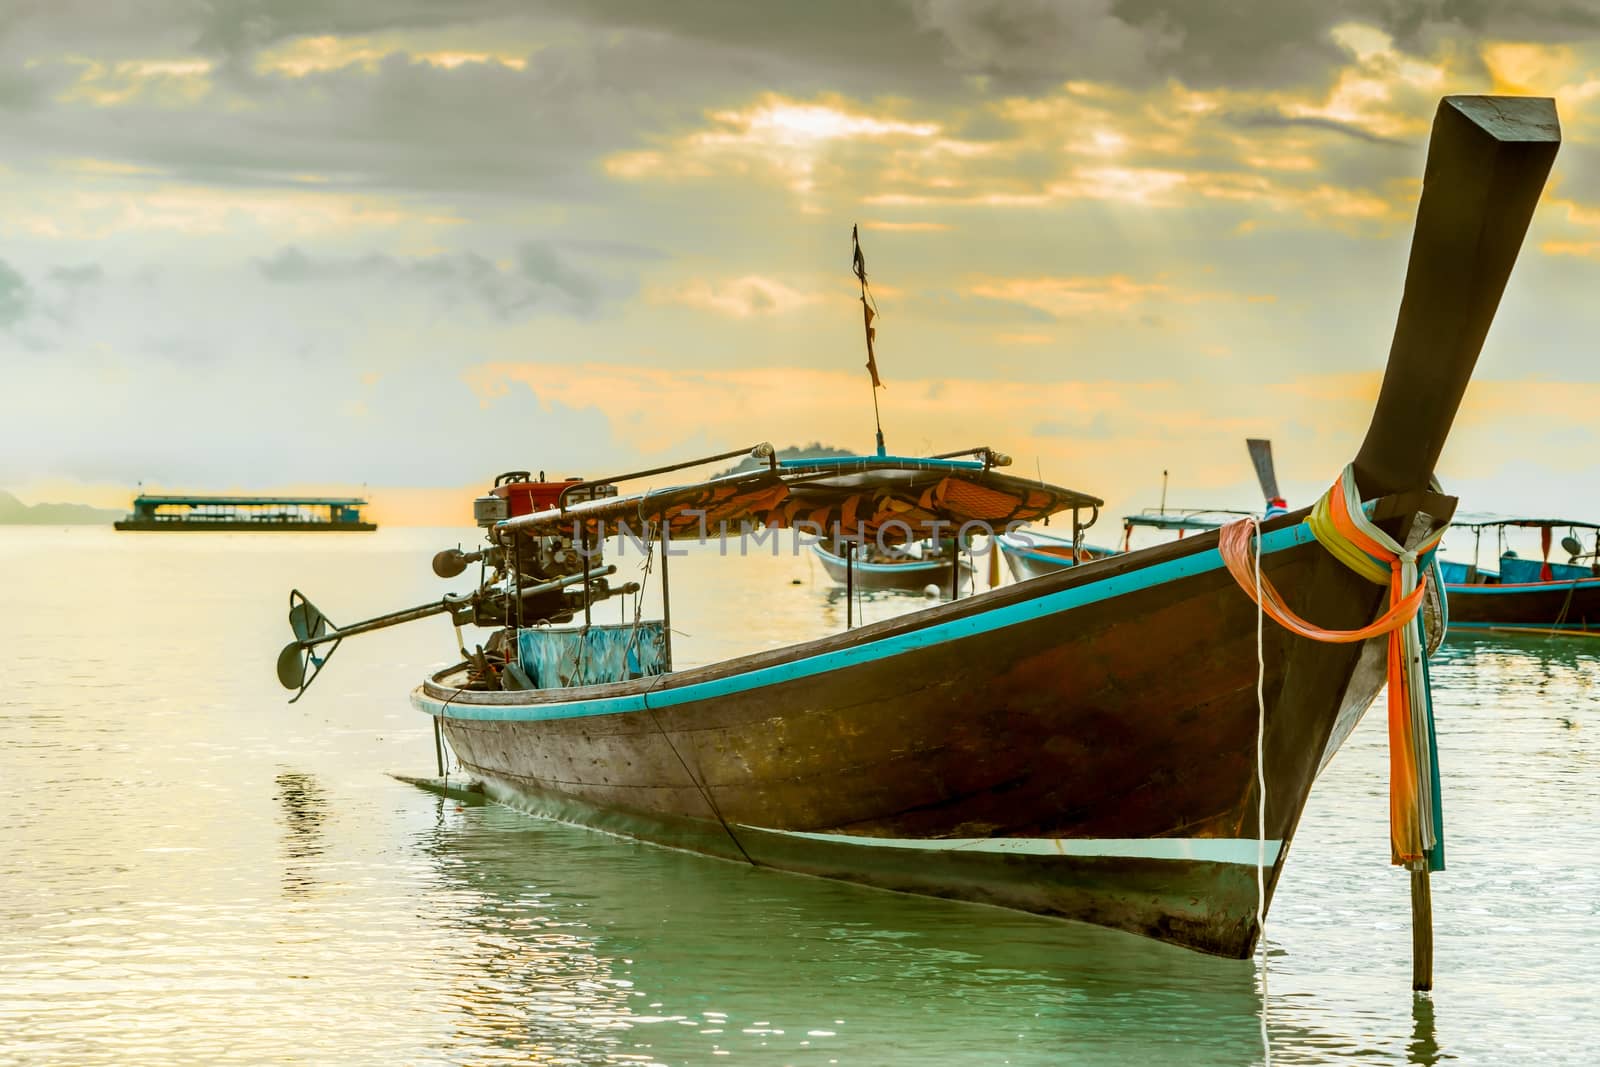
{"type": "Point", "coordinates": [398, 246]}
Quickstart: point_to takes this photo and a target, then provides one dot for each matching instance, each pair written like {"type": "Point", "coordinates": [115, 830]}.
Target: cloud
{"type": "Point", "coordinates": [84, 274]}
{"type": "Point", "coordinates": [1030, 44]}
{"type": "Point", "coordinates": [739, 298]}
{"type": "Point", "coordinates": [15, 296]}
{"type": "Point", "coordinates": [1267, 118]}
{"type": "Point", "coordinates": [537, 278]}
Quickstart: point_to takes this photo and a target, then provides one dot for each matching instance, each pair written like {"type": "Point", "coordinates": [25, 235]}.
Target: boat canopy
{"type": "Point", "coordinates": [889, 498]}
{"type": "Point", "coordinates": [1550, 524]}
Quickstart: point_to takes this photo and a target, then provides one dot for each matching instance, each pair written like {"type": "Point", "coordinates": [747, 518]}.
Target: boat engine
{"type": "Point", "coordinates": [526, 580]}
{"type": "Point", "coordinates": [536, 561]}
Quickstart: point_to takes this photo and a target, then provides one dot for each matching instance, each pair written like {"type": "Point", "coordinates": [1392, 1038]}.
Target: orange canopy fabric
{"type": "Point", "coordinates": [894, 500]}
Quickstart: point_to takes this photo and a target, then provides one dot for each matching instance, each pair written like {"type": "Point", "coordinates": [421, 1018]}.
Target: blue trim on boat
{"type": "Point", "coordinates": [940, 633]}
{"type": "Point", "coordinates": [1537, 627]}
{"type": "Point", "coordinates": [1526, 587]}
{"type": "Point", "coordinates": [876, 462]}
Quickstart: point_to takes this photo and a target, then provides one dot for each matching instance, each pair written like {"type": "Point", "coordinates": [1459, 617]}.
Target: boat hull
{"type": "Point", "coordinates": [1560, 605]}
{"type": "Point", "coordinates": [1081, 746]}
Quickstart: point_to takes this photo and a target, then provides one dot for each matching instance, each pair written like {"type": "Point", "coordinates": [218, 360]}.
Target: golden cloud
{"type": "Point", "coordinates": [739, 298]}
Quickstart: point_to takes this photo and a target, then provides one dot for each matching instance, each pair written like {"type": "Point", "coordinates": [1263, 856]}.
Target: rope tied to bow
{"type": "Point", "coordinates": [1340, 524]}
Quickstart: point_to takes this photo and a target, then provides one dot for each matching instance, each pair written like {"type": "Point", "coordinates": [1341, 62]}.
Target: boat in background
{"type": "Point", "coordinates": [1117, 742]}
{"type": "Point", "coordinates": [1032, 552]}
{"type": "Point", "coordinates": [912, 569]}
{"type": "Point", "coordinates": [239, 513]}
{"type": "Point", "coordinates": [1527, 594]}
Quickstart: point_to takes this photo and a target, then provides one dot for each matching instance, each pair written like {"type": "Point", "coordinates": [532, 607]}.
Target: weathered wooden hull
{"type": "Point", "coordinates": [1560, 605]}
{"type": "Point", "coordinates": [910, 576]}
{"type": "Point", "coordinates": [1082, 745]}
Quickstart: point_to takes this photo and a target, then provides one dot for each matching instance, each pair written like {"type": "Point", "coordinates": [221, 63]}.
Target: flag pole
{"type": "Point", "coordinates": [859, 267]}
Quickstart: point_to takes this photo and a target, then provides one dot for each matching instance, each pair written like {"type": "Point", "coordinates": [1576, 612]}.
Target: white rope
{"type": "Point", "coordinates": [1261, 799]}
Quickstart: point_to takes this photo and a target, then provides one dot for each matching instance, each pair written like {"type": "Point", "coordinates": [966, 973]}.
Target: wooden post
{"type": "Point", "coordinates": [994, 561]}
{"type": "Point", "coordinates": [849, 585]}
{"type": "Point", "coordinates": [1421, 930]}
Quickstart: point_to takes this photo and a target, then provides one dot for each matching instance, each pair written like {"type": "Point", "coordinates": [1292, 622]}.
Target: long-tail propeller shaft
{"type": "Point", "coordinates": [313, 630]}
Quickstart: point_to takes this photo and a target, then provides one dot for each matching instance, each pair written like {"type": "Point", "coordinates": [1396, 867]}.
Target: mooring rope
{"type": "Point", "coordinates": [1340, 524]}
{"type": "Point", "coordinates": [1261, 798]}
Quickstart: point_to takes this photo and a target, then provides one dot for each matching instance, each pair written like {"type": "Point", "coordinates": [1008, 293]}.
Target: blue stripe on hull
{"type": "Point", "coordinates": [940, 633]}
{"type": "Point", "coordinates": [1511, 590]}
{"type": "Point", "coordinates": [1535, 626]}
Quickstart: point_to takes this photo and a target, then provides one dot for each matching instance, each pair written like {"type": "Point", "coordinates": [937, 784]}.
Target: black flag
{"type": "Point", "coordinates": [859, 266]}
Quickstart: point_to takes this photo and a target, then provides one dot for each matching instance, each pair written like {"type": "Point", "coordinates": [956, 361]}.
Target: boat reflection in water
{"type": "Point", "coordinates": [580, 948]}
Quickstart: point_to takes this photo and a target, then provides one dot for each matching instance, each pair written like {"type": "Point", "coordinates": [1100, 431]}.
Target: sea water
{"type": "Point", "coordinates": [193, 870]}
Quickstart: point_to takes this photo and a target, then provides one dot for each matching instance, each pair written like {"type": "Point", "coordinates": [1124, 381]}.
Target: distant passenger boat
{"type": "Point", "coordinates": [334, 514]}
{"type": "Point", "coordinates": [1527, 594]}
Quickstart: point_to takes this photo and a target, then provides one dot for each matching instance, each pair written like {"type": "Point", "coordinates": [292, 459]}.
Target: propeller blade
{"type": "Point", "coordinates": [292, 665]}
{"type": "Point", "coordinates": [305, 619]}
{"type": "Point", "coordinates": [1261, 456]}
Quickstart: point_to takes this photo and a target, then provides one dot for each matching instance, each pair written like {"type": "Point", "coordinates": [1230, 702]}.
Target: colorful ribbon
{"type": "Point", "coordinates": [1340, 524]}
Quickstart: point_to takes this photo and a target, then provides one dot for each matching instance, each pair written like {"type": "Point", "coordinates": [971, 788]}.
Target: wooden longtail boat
{"type": "Point", "coordinates": [1527, 594]}
{"type": "Point", "coordinates": [1081, 745]}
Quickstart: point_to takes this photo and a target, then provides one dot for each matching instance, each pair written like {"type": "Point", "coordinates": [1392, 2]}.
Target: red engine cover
{"type": "Point", "coordinates": [524, 498]}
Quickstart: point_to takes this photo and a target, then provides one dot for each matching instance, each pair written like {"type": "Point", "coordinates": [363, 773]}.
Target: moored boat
{"type": "Point", "coordinates": [1527, 594]}
{"type": "Point", "coordinates": [912, 571]}
{"type": "Point", "coordinates": [1032, 552]}
{"type": "Point", "coordinates": [1116, 742]}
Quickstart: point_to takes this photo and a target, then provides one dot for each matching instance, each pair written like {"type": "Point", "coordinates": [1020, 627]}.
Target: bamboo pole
{"type": "Point", "coordinates": [1421, 930]}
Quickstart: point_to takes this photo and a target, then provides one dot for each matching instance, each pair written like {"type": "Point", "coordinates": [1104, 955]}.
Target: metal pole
{"type": "Point", "coordinates": [849, 585]}
{"type": "Point", "coordinates": [438, 746]}
{"type": "Point", "coordinates": [584, 555]}
{"type": "Point", "coordinates": [516, 585]}
{"type": "Point", "coordinates": [666, 599]}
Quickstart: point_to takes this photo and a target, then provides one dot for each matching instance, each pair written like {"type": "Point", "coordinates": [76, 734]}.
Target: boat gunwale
{"type": "Point", "coordinates": [1280, 527]}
